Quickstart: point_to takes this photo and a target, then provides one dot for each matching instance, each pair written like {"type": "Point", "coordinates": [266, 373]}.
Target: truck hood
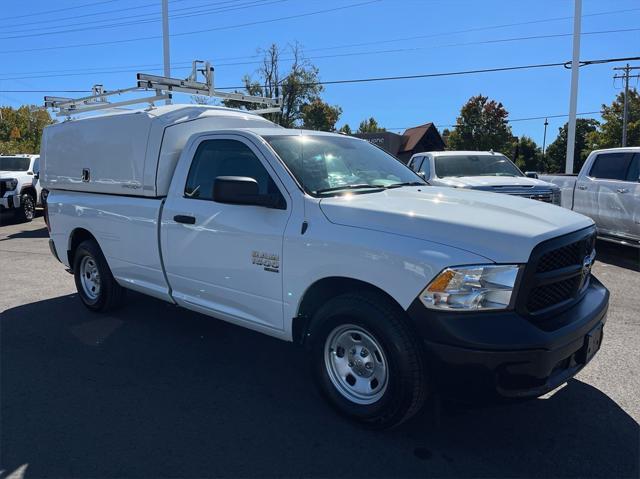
{"type": "Point", "coordinates": [487, 182]}
{"type": "Point", "coordinates": [499, 227]}
{"type": "Point", "coordinates": [12, 174]}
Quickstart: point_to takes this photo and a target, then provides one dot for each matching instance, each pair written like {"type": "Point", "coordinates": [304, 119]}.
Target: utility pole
{"type": "Point", "coordinates": [625, 113]}
{"type": "Point", "coordinates": [165, 42]}
{"type": "Point", "coordinates": [573, 99]}
{"type": "Point", "coordinates": [544, 138]}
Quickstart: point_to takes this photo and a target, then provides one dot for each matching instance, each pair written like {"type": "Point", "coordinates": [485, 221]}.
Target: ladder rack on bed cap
{"type": "Point", "coordinates": [162, 88]}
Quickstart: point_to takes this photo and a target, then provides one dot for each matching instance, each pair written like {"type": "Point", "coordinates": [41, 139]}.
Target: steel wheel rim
{"type": "Point", "coordinates": [90, 277]}
{"type": "Point", "coordinates": [356, 364]}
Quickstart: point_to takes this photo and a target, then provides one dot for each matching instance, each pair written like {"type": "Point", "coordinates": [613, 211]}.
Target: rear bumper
{"type": "Point", "coordinates": [504, 355]}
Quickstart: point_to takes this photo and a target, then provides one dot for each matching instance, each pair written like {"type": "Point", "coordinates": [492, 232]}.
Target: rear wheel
{"type": "Point", "coordinates": [96, 286]}
{"type": "Point", "coordinates": [367, 361]}
{"type": "Point", "coordinates": [27, 210]}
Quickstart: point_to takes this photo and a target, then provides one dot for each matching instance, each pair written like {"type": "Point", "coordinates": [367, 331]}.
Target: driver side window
{"type": "Point", "coordinates": [215, 158]}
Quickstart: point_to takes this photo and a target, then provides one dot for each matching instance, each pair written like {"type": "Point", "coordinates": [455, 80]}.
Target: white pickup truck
{"type": "Point", "coordinates": [20, 189]}
{"type": "Point", "coordinates": [398, 289]}
{"type": "Point", "coordinates": [481, 170]}
{"type": "Point", "coordinates": [607, 189]}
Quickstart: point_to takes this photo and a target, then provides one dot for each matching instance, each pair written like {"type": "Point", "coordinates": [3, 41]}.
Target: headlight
{"type": "Point", "coordinates": [478, 287]}
{"type": "Point", "coordinates": [556, 197]}
{"type": "Point", "coordinates": [11, 184]}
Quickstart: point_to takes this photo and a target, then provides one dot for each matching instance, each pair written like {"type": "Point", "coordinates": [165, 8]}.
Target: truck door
{"type": "Point", "coordinates": [225, 259]}
{"type": "Point", "coordinates": [585, 197]}
{"type": "Point", "coordinates": [611, 173]}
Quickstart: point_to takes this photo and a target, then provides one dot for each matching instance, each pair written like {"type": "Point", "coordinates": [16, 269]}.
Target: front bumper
{"type": "Point", "coordinates": [503, 354]}
{"type": "Point", "coordinates": [10, 201]}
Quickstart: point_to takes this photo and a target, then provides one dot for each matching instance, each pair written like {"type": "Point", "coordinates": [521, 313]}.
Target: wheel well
{"type": "Point", "coordinates": [77, 236]}
{"type": "Point", "coordinates": [320, 292]}
{"type": "Point", "coordinates": [30, 190]}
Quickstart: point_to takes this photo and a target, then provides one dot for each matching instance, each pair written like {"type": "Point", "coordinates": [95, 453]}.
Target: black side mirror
{"type": "Point", "coordinates": [531, 174]}
{"type": "Point", "coordinates": [242, 190]}
{"type": "Point", "coordinates": [37, 175]}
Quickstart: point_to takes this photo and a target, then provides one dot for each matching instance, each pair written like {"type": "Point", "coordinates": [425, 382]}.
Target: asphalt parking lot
{"type": "Point", "coordinates": [156, 391]}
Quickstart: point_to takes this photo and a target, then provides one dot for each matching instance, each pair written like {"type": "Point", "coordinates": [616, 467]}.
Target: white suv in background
{"type": "Point", "coordinates": [20, 189]}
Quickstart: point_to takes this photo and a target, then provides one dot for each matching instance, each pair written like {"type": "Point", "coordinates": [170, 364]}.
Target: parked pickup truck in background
{"type": "Point", "coordinates": [396, 288]}
{"type": "Point", "coordinates": [481, 170]}
{"type": "Point", "coordinates": [607, 190]}
{"type": "Point", "coordinates": [20, 189]}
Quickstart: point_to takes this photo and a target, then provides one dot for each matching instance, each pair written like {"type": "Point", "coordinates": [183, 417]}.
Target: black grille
{"type": "Point", "coordinates": [571, 254]}
{"type": "Point", "coordinates": [548, 295]}
{"type": "Point", "coordinates": [556, 274]}
{"type": "Point", "coordinates": [546, 197]}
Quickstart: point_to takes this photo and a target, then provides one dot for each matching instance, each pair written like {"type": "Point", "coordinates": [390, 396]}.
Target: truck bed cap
{"type": "Point", "coordinates": [132, 152]}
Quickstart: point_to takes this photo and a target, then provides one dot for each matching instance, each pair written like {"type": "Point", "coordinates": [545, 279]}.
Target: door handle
{"type": "Point", "coordinates": [582, 187]}
{"type": "Point", "coordinates": [186, 219]}
{"type": "Point", "coordinates": [622, 190]}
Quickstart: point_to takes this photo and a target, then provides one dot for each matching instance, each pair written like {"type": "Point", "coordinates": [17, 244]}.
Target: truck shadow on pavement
{"type": "Point", "coordinates": [156, 391]}
{"type": "Point", "coordinates": [28, 234]}
{"type": "Point", "coordinates": [7, 218]}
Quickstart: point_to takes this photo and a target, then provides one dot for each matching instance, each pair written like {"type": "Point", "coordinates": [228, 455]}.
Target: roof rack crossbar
{"type": "Point", "coordinates": [163, 87]}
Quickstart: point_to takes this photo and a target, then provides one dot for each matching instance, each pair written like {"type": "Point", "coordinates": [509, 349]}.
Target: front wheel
{"type": "Point", "coordinates": [27, 210]}
{"type": "Point", "coordinates": [367, 361]}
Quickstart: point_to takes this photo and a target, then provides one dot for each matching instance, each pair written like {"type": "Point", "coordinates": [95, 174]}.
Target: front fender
{"type": "Point", "coordinates": [398, 265]}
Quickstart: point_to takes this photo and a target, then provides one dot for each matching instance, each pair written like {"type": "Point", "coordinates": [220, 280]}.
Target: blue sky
{"type": "Point", "coordinates": [380, 25]}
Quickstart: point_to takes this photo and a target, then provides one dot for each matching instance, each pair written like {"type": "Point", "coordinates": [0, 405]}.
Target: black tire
{"type": "Point", "coordinates": [109, 295]}
{"type": "Point", "coordinates": [406, 381]}
{"type": "Point", "coordinates": [27, 210]}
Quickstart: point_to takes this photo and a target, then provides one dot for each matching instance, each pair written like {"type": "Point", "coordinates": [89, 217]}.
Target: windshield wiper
{"type": "Point", "coordinates": [349, 187]}
{"type": "Point", "coordinates": [406, 183]}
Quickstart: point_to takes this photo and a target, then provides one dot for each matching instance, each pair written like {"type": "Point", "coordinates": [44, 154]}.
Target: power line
{"type": "Point", "coordinates": [477, 29]}
{"type": "Point", "coordinates": [530, 118]}
{"type": "Point", "coordinates": [135, 68]}
{"type": "Point", "coordinates": [194, 32]}
{"type": "Point", "coordinates": [465, 72]}
{"type": "Point", "coordinates": [400, 50]}
{"type": "Point", "coordinates": [46, 12]}
{"type": "Point", "coordinates": [308, 14]}
{"type": "Point", "coordinates": [210, 11]}
{"type": "Point", "coordinates": [93, 14]}
{"type": "Point", "coordinates": [417, 76]}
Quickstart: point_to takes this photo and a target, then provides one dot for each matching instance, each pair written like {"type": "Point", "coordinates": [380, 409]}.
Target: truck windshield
{"type": "Point", "coordinates": [332, 165]}
{"type": "Point", "coordinates": [8, 163]}
{"type": "Point", "coordinates": [475, 165]}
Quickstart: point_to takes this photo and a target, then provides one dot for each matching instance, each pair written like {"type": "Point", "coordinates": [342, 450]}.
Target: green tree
{"type": "Point", "coordinates": [556, 154]}
{"type": "Point", "coordinates": [346, 129]}
{"type": "Point", "coordinates": [482, 125]}
{"type": "Point", "coordinates": [370, 126]}
{"type": "Point", "coordinates": [298, 85]}
{"type": "Point", "coordinates": [319, 115]}
{"type": "Point", "coordinates": [609, 135]}
{"type": "Point", "coordinates": [21, 128]}
{"type": "Point", "coordinates": [527, 155]}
